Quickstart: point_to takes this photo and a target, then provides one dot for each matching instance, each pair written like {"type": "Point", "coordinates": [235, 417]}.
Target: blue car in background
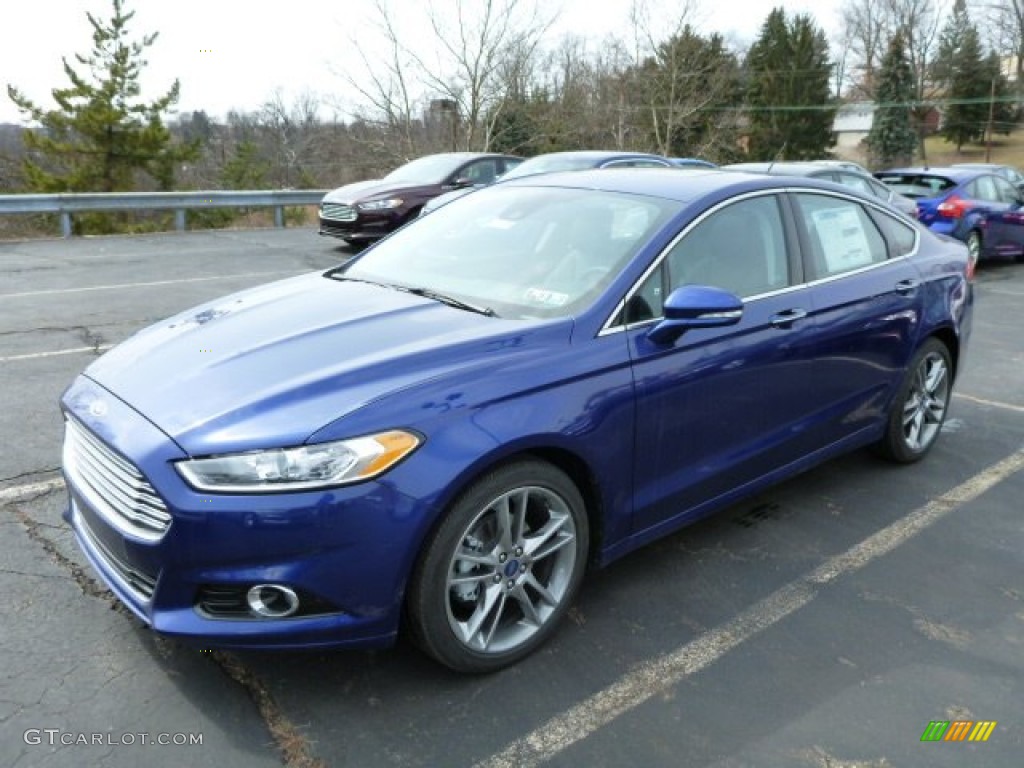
{"type": "Point", "coordinates": [440, 435]}
{"type": "Point", "coordinates": [979, 207]}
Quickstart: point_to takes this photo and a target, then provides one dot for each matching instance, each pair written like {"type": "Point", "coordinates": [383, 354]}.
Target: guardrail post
{"type": "Point", "coordinates": [65, 224]}
{"type": "Point", "coordinates": [278, 216]}
{"type": "Point", "coordinates": [179, 219]}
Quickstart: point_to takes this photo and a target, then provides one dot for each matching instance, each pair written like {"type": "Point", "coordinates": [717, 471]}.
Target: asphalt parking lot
{"type": "Point", "coordinates": [824, 623]}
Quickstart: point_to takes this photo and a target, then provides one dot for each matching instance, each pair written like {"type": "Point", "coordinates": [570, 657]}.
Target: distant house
{"type": "Point", "coordinates": [853, 122]}
{"type": "Point", "coordinates": [851, 126]}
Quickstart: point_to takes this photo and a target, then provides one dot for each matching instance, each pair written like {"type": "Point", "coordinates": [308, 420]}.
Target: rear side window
{"type": "Point", "coordinates": [856, 182]}
{"type": "Point", "coordinates": [916, 184]}
{"type": "Point", "coordinates": [841, 235]}
{"type": "Point", "coordinates": [983, 188]}
{"type": "Point", "coordinates": [901, 236]}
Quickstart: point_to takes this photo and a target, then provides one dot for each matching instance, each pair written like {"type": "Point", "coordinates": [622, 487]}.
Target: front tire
{"type": "Point", "coordinates": [920, 406]}
{"type": "Point", "coordinates": [501, 570]}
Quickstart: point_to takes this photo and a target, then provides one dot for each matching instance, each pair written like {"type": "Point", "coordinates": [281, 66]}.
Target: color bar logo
{"type": "Point", "coordinates": [958, 730]}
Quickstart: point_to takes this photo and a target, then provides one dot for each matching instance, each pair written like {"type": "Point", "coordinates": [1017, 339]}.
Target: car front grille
{"type": "Point", "coordinates": [338, 212]}
{"type": "Point", "coordinates": [141, 583]}
{"type": "Point", "coordinates": [114, 487]}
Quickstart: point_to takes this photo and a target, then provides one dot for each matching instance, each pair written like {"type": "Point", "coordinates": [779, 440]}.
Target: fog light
{"type": "Point", "coordinates": [272, 601]}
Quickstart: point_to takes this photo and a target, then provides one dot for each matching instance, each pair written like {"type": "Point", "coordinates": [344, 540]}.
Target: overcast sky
{"type": "Point", "coordinates": [234, 54]}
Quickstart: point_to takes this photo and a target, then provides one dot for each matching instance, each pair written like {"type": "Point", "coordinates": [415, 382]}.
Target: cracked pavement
{"type": "Point", "coordinates": [935, 629]}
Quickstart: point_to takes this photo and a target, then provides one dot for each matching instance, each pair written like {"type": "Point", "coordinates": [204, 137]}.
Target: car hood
{"type": "Point", "coordinates": [362, 190]}
{"type": "Point", "coordinates": [271, 366]}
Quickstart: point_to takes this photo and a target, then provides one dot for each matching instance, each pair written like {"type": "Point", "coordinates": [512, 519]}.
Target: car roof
{"type": "Point", "coordinates": [456, 157]}
{"type": "Point", "coordinates": [788, 168]}
{"type": "Point", "coordinates": [597, 155]}
{"type": "Point", "coordinates": [981, 166]}
{"type": "Point", "coordinates": [952, 172]}
{"type": "Point", "coordinates": [668, 183]}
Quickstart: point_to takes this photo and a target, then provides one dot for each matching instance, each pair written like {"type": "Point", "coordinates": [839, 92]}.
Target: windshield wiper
{"type": "Point", "coordinates": [451, 301]}
{"type": "Point", "coordinates": [426, 293]}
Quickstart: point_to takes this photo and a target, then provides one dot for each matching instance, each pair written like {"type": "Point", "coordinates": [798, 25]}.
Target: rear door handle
{"type": "Point", "coordinates": [906, 287]}
{"type": "Point", "coordinates": [788, 317]}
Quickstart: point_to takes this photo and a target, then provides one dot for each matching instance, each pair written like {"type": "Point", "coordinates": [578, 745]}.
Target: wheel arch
{"type": "Point", "coordinates": [952, 343]}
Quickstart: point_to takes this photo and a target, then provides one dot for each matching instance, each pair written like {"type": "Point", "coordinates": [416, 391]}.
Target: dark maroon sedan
{"type": "Point", "coordinates": [368, 210]}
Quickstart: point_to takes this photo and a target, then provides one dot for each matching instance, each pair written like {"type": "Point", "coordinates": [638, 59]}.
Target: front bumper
{"type": "Point", "coordinates": [363, 228]}
{"type": "Point", "coordinates": [345, 551]}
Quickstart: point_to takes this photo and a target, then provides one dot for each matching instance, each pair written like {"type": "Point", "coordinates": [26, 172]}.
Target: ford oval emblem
{"type": "Point", "coordinates": [98, 408]}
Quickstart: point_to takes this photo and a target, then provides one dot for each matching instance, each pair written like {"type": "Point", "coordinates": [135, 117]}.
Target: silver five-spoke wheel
{"type": "Point", "coordinates": [511, 570]}
{"type": "Point", "coordinates": [919, 410]}
{"type": "Point", "coordinates": [501, 569]}
{"type": "Point", "coordinates": [925, 406]}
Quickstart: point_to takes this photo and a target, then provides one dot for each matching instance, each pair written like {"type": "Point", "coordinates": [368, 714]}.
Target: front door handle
{"type": "Point", "coordinates": [786, 318]}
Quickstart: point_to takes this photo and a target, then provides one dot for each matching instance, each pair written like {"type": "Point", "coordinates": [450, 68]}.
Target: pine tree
{"type": "Point", "coordinates": [968, 90]}
{"type": "Point", "coordinates": [892, 138]}
{"type": "Point", "coordinates": [686, 94]}
{"type": "Point", "coordinates": [101, 137]}
{"type": "Point", "coordinates": [789, 73]}
{"type": "Point", "coordinates": [950, 41]}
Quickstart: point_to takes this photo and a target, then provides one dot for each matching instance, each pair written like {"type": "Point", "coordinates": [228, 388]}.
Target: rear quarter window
{"type": "Point", "coordinates": [900, 236]}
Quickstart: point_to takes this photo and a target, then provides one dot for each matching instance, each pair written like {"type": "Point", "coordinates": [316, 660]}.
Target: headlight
{"type": "Point", "coordinates": [306, 467]}
{"type": "Point", "coordinates": [381, 205]}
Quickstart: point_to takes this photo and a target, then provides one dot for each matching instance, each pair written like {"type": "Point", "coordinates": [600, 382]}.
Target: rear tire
{"type": "Point", "coordinates": [919, 408]}
{"type": "Point", "coordinates": [500, 572]}
{"type": "Point", "coordinates": [974, 245]}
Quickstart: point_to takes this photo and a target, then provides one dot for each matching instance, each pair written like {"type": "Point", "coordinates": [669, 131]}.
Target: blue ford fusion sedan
{"type": "Point", "coordinates": [440, 435]}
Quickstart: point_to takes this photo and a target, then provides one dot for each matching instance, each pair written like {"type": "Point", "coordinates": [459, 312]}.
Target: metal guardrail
{"type": "Point", "coordinates": [68, 204]}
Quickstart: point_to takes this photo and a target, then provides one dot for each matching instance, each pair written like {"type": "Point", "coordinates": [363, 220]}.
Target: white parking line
{"type": "Point", "coordinates": [121, 286]}
{"type": "Point", "coordinates": [992, 403]}
{"type": "Point", "coordinates": [658, 675]}
{"type": "Point", "coordinates": [19, 492]}
{"type": "Point", "coordinates": [55, 353]}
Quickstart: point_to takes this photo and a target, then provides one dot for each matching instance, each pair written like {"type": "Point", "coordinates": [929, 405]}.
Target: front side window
{"type": "Point", "coordinates": [840, 233]}
{"type": "Point", "coordinates": [481, 172]}
{"type": "Point", "coordinates": [740, 248]}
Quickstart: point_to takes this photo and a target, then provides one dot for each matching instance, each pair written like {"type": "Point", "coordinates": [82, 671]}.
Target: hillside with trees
{"type": "Point", "coordinates": [497, 80]}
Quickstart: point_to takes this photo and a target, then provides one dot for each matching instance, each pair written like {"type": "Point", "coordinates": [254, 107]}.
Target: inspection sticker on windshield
{"type": "Point", "coordinates": [546, 298]}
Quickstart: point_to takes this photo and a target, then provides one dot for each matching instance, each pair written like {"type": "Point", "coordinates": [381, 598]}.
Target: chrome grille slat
{"type": "Point", "coordinates": [338, 212]}
{"type": "Point", "coordinates": [132, 483]}
{"type": "Point", "coordinates": [124, 505]}
{"type": "Point", "coordinates": [113, 485]}
{"type": "Point", "coordinates": [107, 454]}
{"type": "Point", "coordinates": [133, 487]}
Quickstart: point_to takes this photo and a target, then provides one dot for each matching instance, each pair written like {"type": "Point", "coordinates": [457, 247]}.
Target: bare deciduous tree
{"type": "Point", "coordinates": [463, 64]}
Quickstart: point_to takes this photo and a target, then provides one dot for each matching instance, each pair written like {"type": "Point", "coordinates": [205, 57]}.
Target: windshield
{"type": "Point", "coordinates": [551, 164]}
{"type": "Point", "coordinates": [432, 169]}
{"type": "Point", "coordinates": [522, 252]}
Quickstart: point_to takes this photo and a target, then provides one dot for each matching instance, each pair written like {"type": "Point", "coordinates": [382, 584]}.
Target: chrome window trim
{"type": "Point", "coordinates": [608, 329]}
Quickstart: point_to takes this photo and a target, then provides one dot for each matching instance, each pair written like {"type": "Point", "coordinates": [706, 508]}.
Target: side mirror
{"type": "Point", "coordinates": [462, 182]}
{"type": "Point", "coordinates": [695, 306]}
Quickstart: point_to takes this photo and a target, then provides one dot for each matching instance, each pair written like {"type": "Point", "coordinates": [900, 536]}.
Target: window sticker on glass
{"type": "Point", "coordinates": [843, 241]}
{"type": "Point", "coordinates": [546, 298]}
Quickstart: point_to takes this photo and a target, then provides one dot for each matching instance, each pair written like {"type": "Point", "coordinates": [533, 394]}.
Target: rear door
{"type": "Point", "coordinates": [866, 296]}
{"type": "Point", "coordinates": [1003, 225]}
